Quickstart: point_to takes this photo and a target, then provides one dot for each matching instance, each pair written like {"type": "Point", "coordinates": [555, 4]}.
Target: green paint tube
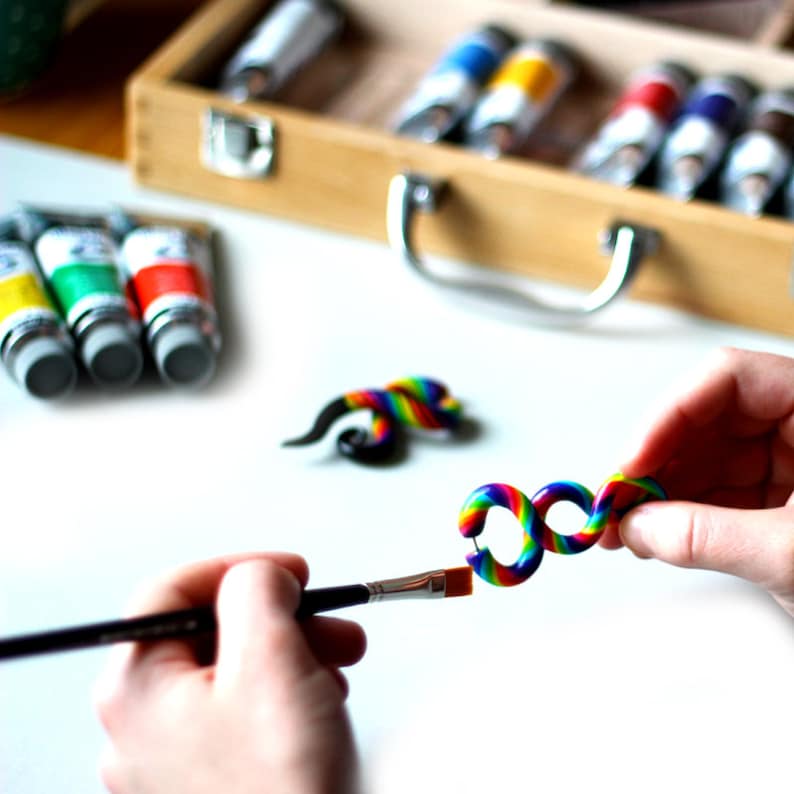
{"type": "Point", "coordinates": [79, 262]}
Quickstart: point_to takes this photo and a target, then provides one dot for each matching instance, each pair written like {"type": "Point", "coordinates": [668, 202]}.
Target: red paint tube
{"type": "Point", "coordinates": [630, 136]}
{"type": "Point", "coordinates": [170, 272]}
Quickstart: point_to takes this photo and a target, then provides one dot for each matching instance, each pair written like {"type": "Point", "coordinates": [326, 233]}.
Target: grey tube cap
{"type": "Point", "coordinates": [45, 367]}
{"type": "Point", "coordinates": [184, 355]}
{"type": "Point", "coordinates": [112, 355]}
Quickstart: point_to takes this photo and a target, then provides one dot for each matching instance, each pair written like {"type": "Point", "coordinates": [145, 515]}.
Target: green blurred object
{"type": "Point", "coordinates": [29, 34]}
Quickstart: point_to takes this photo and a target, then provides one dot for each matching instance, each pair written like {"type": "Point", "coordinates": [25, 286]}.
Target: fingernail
{"type": "Point", "coordinates": [638, 528]}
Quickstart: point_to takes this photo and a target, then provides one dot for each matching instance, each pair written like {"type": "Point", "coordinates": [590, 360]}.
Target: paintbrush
{"type": "Point", "coordinates": [444, 583]}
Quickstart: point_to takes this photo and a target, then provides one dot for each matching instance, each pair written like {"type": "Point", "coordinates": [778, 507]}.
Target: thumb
{"type": "Point", "coordinates": [757, 545]}
{"type": "Point", "coordinates": [259, 640]}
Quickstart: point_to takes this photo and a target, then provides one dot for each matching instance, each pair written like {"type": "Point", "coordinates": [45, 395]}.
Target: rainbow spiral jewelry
{"type": "Point", "coordinates": [611, 502]}
{"type": "Point", "coordinates": [415, 402]}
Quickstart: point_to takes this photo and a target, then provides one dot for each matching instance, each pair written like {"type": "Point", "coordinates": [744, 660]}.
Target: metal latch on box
{"type": "Point", "coordinates": [238, 146]}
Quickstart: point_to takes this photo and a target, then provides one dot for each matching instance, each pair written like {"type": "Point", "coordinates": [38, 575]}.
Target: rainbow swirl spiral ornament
{"type": "Point", "coordinates": [616, 496]}
{"type": "Point", "coordinates": [413, 402]}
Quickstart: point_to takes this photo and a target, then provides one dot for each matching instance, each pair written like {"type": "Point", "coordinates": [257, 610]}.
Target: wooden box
{"type": "Point", "coordinates": [764, 21]}
{"type": "Point", "coordinates": [335, 156]}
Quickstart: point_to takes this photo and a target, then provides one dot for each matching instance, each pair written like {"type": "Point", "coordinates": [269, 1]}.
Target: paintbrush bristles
{"type": "Point", "coordinates": [458, 582]}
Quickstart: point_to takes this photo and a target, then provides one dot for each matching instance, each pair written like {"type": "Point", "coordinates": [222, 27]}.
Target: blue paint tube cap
{"type": "Point", "coordinates": [45, 368]}
{"type": "Point", "coordinates": [184, 355]}
{"type": "Point", "coordinates": [112, 355]}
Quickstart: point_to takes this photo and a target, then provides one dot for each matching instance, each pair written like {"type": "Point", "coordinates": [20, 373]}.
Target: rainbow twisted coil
{"type": "Point", "coordinates": [611, 502]}
{"type": "Point", "coordinates": [415, 402]}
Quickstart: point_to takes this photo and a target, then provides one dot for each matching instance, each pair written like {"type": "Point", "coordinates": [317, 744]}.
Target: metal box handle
{"type": "Point", "coordinates": [628, 243]}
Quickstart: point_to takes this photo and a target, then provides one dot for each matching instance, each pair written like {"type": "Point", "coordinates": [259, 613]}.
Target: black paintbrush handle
{"type": "Point", "coordinates": [164, 625]}
{"type": "Point", "coordinates": [181, 623]}
{"type": "Point", "coordinates": [324, 599]}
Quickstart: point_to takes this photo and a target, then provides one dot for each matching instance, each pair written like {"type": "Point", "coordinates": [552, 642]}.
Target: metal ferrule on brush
{"type": "Point", "coordinates": [432, 584]}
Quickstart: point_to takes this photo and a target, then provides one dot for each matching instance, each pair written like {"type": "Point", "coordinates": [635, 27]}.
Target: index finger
{"type": "Point", "coordinates": [196, 584]}
{"type": "Point", "coordinates": [750, 390]}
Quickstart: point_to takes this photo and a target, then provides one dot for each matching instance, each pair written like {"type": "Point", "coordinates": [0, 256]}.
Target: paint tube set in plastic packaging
{"type": "Point", "coordinates": [105, 292]}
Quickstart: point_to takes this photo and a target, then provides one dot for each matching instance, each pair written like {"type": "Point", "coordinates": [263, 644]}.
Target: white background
{"type": "Point", "coordinates": [602, 673]}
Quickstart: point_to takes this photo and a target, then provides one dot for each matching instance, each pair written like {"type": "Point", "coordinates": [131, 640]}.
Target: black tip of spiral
{"type": "Point", "coordinates": [357, 445]}
{"type": "Point", "coordinates": [327, 417]}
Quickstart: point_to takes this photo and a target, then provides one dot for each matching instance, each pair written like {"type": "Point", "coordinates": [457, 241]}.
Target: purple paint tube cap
{"type": "Point", "coordinates": [112, 355]}
{"type": "Point", "coordinates": [45, 367]}
{"type": "Point", "coordinates": [184, 355]}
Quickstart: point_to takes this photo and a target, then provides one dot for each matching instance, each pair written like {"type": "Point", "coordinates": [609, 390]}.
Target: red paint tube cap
{"type": "Point", "coordinates": [184, 355]}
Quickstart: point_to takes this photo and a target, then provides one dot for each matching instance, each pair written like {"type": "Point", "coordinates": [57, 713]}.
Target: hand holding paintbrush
{"type": "Point", "coordinates": [197, 620]}
{"type": "Point", "coordinates": [268, 713]}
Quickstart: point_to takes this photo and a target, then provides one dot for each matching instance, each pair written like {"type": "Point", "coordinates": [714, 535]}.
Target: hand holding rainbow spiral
{"type": "Point", "coordinates": [417, 402]}
{"type": "Point", "coordinates": [611, 502]}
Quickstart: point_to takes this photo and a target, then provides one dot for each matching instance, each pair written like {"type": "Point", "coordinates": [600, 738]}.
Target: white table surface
{"type": "Point", "coordinates": [602, 673]}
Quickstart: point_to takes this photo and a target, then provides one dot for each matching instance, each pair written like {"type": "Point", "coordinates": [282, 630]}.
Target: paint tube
{"type": "Point", "coordinates": [78, 259]}
{"type": "Point", "coordinates": [448, 92]}
{"type": "Point", "coordinates": [759, 160]}
{"type": "Point", "coordinates": [170, 269]}
{"type": "Point", "coordinates": [293, 33]}
{"type": "Point", "coordinates": [521, 92]}
{"type": "Point", "coordinates": [35, 346]}
{"type": "Point", "coordinates": [633, 131]}
{"type": "Point", "coordinates": [699, 137]}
